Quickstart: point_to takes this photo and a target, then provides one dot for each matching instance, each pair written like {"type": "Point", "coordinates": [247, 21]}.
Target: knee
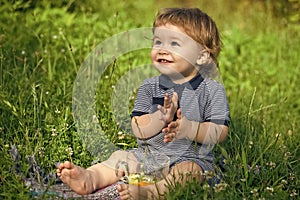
{"type": "Point", "coordinates": [187, 166]}
{"type": "Point", "coordinates": [120, 154]}
{"type": "Point", "coordinates": [187, 170]}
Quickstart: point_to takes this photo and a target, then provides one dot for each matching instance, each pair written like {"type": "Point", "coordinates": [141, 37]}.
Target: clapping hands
{"type": "Point", "coordinates": [172, 129]}
{"type": "Point", "coordinates": [169, 109]}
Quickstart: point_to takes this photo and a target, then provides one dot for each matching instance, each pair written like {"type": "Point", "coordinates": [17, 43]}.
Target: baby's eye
{"type": "Point", "coordinates": [156, 42]}
{"type": "Point", "coordinates": [175, 44]}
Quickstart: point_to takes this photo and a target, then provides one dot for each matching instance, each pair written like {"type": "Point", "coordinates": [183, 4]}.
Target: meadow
{"type": "Point", "coordinates": [43, 44]}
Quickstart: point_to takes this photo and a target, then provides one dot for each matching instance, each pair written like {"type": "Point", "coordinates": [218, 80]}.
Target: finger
{"type": "Point", "coordinates": [175, 98]}
{"type": "Point", "coordinates": [168, 138]}
{"type": "Point", "coordinates": [179, 113]}
{"type": "Point", "coordinates": [172, 125]}
{"type": "Point", "coordinates": [167, 101]}
{"type": "Point", "coordinates": [165, 130]}
{"type": "Point", "coordinates": [58, 171]}
{"type": "Point", "coordinates": [60, 167]}
{"type": "Point", "coordinates": [173, 135]}
{"type": "Point", "coordinates": [161, 109]}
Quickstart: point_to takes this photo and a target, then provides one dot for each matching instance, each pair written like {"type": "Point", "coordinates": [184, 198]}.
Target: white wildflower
{"type": "Point", "coordinates": [254, 191]}
{"type": "Point", "coordinates": [54, 132]}
{"type": "Point", "coordinates": [95, 119]}
{"type": "Point", "coordinates": [41, 151]}
{"type": "Point", "coordinates": [270, 189]}
{"type": "Point", "coordinates": [293, 193]}
{"type": "Point", "coordinates": [69, 151]}
{"type": "Point", "coordinates": [250, 144]}
{"type": "Point", "coordinates": [57, 111]}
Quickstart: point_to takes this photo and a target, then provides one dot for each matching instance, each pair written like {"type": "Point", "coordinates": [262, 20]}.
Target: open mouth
{"type": "Point", "coordinates": [164, 61]}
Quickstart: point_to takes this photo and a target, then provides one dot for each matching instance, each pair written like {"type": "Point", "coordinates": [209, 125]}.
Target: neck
{"type": "Point", "coordinates": [180, 79]}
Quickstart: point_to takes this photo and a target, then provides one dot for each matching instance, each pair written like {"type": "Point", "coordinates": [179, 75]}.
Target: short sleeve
{"type": "Point", "coordinates": [143, 101]}
{"type": "Point", "coordinates": [217, 108]}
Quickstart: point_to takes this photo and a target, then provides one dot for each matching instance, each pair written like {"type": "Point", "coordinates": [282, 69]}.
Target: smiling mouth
{"type": "Point", "coordinates": [164, 61]}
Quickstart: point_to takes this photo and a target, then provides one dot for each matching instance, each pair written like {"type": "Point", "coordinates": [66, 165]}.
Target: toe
{"type": "Point", "coordinates": [123, 191]}
{"type": "Point", "coordinates": [122, 187]}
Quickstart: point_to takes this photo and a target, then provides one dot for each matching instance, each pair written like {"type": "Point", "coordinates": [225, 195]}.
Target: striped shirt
{"type": "Point", "coordinates": [200, 100]}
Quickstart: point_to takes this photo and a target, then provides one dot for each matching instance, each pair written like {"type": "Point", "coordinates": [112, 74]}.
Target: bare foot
{"type": "Point", "coordinates": [74, 176]}
{"type": "Point", "coordinates": [134, 192]}
{"type": "Point", "coordinates": [123, 191]}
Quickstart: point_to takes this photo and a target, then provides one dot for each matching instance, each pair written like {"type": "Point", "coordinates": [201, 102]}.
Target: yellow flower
{"type": "Point", "coordinates": [220, 187]}
{"type": "Point", "coordinates": [206, 187]}
{"type": "Point", "coordinates": [209, 174]}
{"type": "Point", "coordinates": [272, 165]}
{"type": "Point", "coordinates": [120, 135]}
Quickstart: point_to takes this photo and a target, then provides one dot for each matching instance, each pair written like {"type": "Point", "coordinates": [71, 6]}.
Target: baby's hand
{"type": "Point", "coordinates": [172, 129]}
{"type": "Point", "coordinates": [170, 107]}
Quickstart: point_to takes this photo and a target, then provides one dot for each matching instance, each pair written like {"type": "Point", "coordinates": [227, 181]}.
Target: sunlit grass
{"type": "Point", "coordinates": [42, 48]}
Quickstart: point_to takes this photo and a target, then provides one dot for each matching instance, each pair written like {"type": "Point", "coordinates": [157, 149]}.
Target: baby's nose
{"type": "Point", "coordinates": [163, 51]}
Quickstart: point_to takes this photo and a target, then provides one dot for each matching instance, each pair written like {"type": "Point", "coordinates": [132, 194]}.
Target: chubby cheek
{"type": "Point", "coordinates": [153, 55]}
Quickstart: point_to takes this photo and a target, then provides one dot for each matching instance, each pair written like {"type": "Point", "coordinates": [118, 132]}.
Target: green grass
{"type": "Point", "coordinates": [42, 46]}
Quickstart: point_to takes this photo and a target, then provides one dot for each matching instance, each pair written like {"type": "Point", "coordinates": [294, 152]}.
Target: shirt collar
{"type": "Point", "coordinates": [166, 83]}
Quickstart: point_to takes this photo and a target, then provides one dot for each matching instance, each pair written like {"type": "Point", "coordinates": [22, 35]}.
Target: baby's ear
{"type": "Point", "coordinates": [204, 57]}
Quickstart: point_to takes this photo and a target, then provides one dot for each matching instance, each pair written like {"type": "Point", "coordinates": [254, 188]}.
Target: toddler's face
{"type": "Point", "coordinates": [174, 53]}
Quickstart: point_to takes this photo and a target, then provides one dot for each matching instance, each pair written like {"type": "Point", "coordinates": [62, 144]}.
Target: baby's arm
{"type": "Point", "coordinates": [148, 125]}
{"type": "Point", "coordinates": [215, 113]}
{"type": "Point", "coordinates": [205, 132]}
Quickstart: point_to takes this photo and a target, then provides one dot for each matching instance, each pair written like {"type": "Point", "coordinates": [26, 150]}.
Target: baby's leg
{"type": "Point", "coordinates": [74, 176]}
{"type": "Point", "coordinates": [86, 181]}
{"type": "Point", "coordinates": [181, 173]}
{"type": "Point", "coordinates": [185, 172]}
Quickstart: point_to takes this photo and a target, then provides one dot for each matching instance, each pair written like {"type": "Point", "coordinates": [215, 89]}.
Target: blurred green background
{"type": "Point", "coordinates": [44, 43]}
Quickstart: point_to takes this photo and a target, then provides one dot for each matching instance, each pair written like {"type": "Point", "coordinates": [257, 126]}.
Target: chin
{"type": "Point", "coordinates": [166, 70]}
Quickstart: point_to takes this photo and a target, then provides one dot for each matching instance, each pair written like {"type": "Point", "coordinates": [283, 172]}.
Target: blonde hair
{"type": "Point", "coordinates": [197, 24]}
